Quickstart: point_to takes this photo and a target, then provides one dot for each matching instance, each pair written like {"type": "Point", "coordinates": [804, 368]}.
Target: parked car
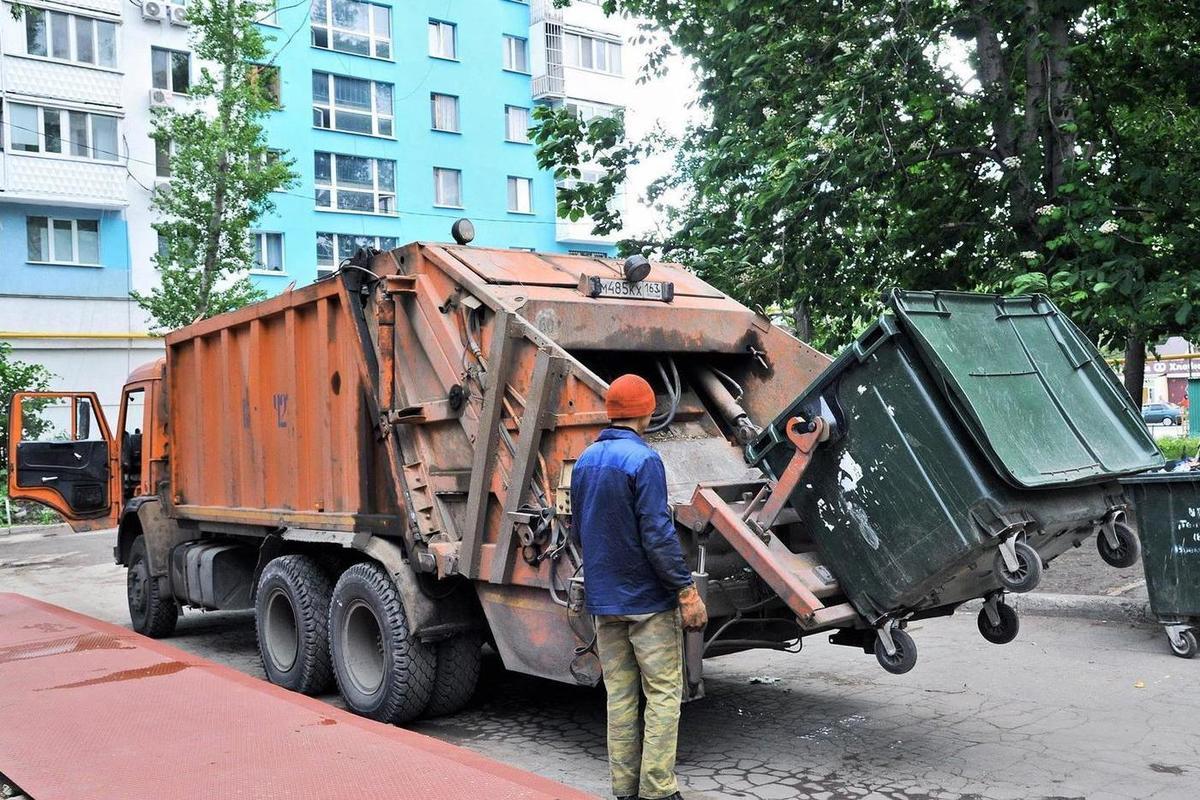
{"type": "Point", "coordinates": [1165, 413]}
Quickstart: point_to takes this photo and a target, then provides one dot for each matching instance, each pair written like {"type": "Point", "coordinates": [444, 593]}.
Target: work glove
{"type": "Point", "coordinates": [695, 615]}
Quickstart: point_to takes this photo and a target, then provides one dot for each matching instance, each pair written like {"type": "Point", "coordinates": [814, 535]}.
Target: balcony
{"type": "Point", "coordinates": [548, 87]}
{"type": "Point", "coordinates": [580, 233]}
{"type": "Point", "coordinates": [63, 181]}
{"type": "Point", "coordinates": [51, 80]}
{"type": "Point", "coordinates": [544, 11]}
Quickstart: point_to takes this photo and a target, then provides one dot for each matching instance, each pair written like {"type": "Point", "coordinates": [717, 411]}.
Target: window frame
{"type": "Point", "coordinates": [333, 188]}
{"type": "Point", "coordinates": [72, 38]}
{"type": "Point", "coordinates": [65, 140]}
{"type": "Point", "coordinates": [453, 26]}
{"type": "Point", "coordinates": [374, 38]}
{"type": "Point", "coordinates": [259, 244]}
{"type": "Point", "coordinates": [436, 172]}
{"type": "Point", "coordinates": [330, 107]}
{"type": "Point", "coordinates": [506, 40]}
{"type": "Point", "coordinates": [433, 115]}
{"type": "Point", "coordinates": [516, 180]}
{"type": "Point", "coordinates": [171, 53]}
{"type": "Point", "coordinates": [508, 130]}
{"type": "Point", "coordinates": [52, 260]}
{"type": "Point", "coordinates": [335, 239]}
{"type": "Point", "coordinates": [593, 41]}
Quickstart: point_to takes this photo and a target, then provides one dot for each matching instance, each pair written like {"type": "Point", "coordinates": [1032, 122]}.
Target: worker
{"type": "Point", "coordinates": [639, 589]}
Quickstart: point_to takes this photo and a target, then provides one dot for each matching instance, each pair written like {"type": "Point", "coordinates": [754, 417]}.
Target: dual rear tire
{"type": "Point", "coordinates": [312, 632]}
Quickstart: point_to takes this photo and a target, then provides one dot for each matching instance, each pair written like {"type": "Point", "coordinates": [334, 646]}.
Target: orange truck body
{"type": "Point", "coordinates": [422, 410]}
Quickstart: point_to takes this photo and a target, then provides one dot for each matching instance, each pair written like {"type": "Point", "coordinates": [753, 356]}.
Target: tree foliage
{"type": "Point", "coordinates": [17, 376]}
{"type": "Point", "coordinates": [222, 173]}
{"type": "Point", "coordinates": [1007, 145]}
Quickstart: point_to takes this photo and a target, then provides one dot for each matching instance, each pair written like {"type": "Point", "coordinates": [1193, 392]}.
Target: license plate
{"type": "Point", "coordinates": [595, 286]}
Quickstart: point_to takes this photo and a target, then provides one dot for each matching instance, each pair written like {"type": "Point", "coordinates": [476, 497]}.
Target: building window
{"type": "Point", "coordinates": [269, 15]}
{"type": "Point", "coordinates": [447, 187]}
{"type": "Point", "coordinates": [334, 248]}
{"type": "Point", "coordinates": [268, 79]}
{"type": "Point", "coordinates": [516, 124]}
{"type": "Point", "coordinates": [162, 158]}
{"type": "Point", "coordinates": [268, 251]}
{"type": "Point", "coordinates": [520, 195]}
{"type": "Point", "coordinates": [353, 105]}
{"type": "Point", "coordinates": [355, 183]}
{"type": "Point", "coordinates": [587, 111]}
{"type": "Point", "coordinates": [444, 110]}
{"type": "Point", "coordinates": [70, 37]}
{"type": "Point", "coordinates": [364, 29]}
{"type": "Point", "coordinates": [171, 70]}
{"type": "Point", "coordinates": [515, 54]}
{"type": "Point", "coordinates": [442, 42]}
{"type": "Point", "coordinates": [56, 130]}
{"type": "Point", "coordinates": [63, 241]}
{"type": "Point", "coordinates": [589, 52]}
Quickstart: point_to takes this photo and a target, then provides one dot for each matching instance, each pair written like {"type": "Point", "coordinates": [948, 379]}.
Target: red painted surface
{"type": "Point", "coordinates": [91, 710]}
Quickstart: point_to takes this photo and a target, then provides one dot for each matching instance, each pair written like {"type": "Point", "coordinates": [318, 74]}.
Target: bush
{"type": "Point", "coordinates": [1179, 447]}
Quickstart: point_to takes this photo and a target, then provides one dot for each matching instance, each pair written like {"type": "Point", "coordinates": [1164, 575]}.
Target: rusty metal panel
{"type": "Point", "coordinates": [91, 710]}
{"type": "Point", "coordinates": [268, 413]}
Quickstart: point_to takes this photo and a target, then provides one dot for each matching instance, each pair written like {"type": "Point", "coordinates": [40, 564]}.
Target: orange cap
{"type": "Point", "coordinates": [629, 397]}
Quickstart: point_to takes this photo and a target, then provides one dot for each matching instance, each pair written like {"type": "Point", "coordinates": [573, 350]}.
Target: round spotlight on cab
{"type": "Point", "coordinates": [463, 231]}
{"type": "Point", "coordinates": [637, 267]}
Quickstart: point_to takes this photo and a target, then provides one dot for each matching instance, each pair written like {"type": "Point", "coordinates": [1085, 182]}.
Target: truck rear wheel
{"type": "Point", "coordinates": [291, 609]}
{"type": "Point", "coordinates": [382, 670]}
{"type": "Point", "coordinates": [458, 660]}
{"type": "Point", "coordinates": [151, 613]}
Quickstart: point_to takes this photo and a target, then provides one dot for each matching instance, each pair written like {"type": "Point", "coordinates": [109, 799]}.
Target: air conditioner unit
{"type": "Point", "coordinates": [159, 98]}
{"type": "Point", "coordinates": [177, 15]}
{"type": "Point", "coordinates": [154, 9]}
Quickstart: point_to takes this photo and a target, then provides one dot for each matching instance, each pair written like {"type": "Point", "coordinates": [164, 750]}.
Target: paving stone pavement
{"type": "Point", "coordinates": [1072, 709]}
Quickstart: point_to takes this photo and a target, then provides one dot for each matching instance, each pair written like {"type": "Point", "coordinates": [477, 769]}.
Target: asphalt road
{"type": "Point", "coordinates": [1072, 709]}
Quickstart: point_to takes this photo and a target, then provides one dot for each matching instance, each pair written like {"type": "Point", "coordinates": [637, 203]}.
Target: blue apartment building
{"type": "Point", "coordinates": [399, 120]}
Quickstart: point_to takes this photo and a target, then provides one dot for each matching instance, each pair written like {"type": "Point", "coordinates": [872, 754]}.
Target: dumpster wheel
{"type": "Point", "coordinates": [1018, 567]}
{"type": "Point", "coordinates": [904, 655]}
{"type": "Point", "coordinates": [1183, 643]}
{"type": "Point", "coordinates": [998, 622]}
{"type": "Point", "coordinates": [1119, 547]}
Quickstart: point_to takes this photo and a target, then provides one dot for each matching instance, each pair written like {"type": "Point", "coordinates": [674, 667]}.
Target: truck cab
{"type": "Point", "coordinates": [63, 453]}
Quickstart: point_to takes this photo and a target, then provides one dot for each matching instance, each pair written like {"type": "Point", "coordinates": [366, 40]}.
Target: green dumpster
{"type": "Point", "coordinates": [973, 438]}
{"type": "Point", "coordinates": [1167, 508]}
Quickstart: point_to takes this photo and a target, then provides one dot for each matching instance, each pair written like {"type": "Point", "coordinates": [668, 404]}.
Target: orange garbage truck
{"type": "Point", "coordinates": [379, 464]}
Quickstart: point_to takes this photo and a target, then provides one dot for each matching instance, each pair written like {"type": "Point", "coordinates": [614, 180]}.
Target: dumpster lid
{"type": "Point", "coordinates": [1035, 394]}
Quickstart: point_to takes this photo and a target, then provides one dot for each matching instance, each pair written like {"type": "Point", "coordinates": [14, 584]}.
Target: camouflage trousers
{"type": "Point", "coordinates": [642, 654]}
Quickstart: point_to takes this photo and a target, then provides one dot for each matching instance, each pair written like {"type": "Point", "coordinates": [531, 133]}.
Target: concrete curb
{"type": "Point", "coordinates": [1079, 606]}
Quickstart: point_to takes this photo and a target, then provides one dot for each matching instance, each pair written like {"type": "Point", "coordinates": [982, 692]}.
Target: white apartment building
{"type": "Point", "coordinates": [582, 59]}
{"type": "Point", "coordinates": [76, 172]}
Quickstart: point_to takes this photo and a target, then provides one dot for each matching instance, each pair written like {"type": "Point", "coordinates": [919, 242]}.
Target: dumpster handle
{"type": "Point", "coordinates": [875, 336]}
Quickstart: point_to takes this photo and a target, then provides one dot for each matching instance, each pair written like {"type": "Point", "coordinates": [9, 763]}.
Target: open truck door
{"type": "Point", "coordinates": [61, 454]}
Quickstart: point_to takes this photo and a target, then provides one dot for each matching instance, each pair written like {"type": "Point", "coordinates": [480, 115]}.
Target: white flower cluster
{"type": "Point", "coordinates": [1109, 226]}
{"type": "Point", "coordinates": [1158, 244]}
{"type": "Point", "coordinates": [1012, 162]}
{"type": "Point", "coordinates": [768, 112]}
{"type": "Point", "coordinates": [1030, 254]}
{"type": "Point", "coordinates": [1045, 210]}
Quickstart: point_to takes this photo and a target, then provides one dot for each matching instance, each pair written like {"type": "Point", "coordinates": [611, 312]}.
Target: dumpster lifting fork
{"type": "Point", "coordinates": [795, 577]}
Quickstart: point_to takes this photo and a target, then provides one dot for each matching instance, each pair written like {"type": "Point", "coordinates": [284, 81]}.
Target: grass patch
{"type": "Point", "coordinates": [1178, 447]}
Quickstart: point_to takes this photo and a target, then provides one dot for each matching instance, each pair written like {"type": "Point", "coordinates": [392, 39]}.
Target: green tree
{"type": "Point", "coordinates": [1003, 145]}
{"type": "Point", "coordinates": [222, 173]}
{"type": "Point", "coordinates": [17, 376]}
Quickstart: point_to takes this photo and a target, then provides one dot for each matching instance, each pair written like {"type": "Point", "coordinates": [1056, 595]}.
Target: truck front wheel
{"type": "Point", "coordinates": [291, 607]}
{"type": "Point", "coordinates": [383, 671]}
{"type": "Point", "coordinates": [152, 613]}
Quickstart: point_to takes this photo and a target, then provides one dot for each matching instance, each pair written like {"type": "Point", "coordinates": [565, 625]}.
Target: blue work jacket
{"type": "Point", "coordinates": [632, 559]}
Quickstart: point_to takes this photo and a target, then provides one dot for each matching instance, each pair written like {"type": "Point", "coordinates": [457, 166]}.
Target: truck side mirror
{"type": "Point", "coordinates": [83, 419]}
